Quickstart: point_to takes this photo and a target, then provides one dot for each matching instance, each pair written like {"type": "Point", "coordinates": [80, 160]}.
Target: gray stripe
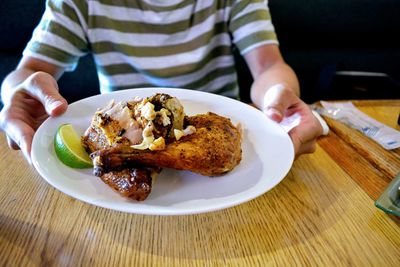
{"type": "Point", "coordinates": [254, 38]}
{"type": "Point", "coordinates": [65, 33]}
{"type": "Point", "coordinates": [144, 51]}
{"type": "Point", "coordinates": [53, 52]}
{"type": "Point", "coordinates": [248, 18]}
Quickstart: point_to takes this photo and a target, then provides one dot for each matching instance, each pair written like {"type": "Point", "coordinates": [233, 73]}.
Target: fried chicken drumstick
{"type": "Point", "coordinates": [214, 149]}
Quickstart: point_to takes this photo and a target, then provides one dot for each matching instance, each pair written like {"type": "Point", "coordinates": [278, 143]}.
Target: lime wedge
{"type": "Point", "coordinates": [69, 149]}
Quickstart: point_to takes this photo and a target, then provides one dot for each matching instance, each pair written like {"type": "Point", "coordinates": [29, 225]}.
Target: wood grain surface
{"type": "Point", "coordinates": [319, 215]}
{"type": "Point", "coordinates": [369, 164]}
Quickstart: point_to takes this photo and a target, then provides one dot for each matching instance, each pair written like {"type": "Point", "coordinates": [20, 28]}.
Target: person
{"type": "Point", "coordinates": [176, 43]}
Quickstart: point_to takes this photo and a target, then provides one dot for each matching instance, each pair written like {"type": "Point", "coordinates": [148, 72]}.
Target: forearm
{"type": "Point", "coordinates": [277, 73]}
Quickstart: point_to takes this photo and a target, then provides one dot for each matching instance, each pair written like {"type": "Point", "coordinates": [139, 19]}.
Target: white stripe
{"type": "Point", "coordinates": [251, 47]}
{"type": "Point", "coordinates": [56, 41]}
{"type": "Point", "coordinates": [250, 28]}
{"type": "Point", "coordinates": [148, 16]}
{"type": "Point", "coordinates": [135, 78]}
{"type": "Point", "coordinates": [163, 2]}
{"type": "Point", "coordinates": [155, 40]}
{"type": "Point", "coordinates": [64, 21]}
{"type": "Point", "coordinates": [65, 66]}
{"type": "Point", "coordinates": [161, 62]}
{"type": "Point", "coordinates": [250, 8]}
{"type": "Point", "coordinates": [115, 80]}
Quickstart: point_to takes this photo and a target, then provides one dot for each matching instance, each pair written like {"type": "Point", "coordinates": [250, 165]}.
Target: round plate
{"type": "Point", "coordinates": [267, 157]}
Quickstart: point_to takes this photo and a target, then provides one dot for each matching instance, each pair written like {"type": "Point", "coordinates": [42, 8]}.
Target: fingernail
{"type": "Point", "coordinates": [55, 104]}
{"type": "Point", "coordinates": [273, 114]}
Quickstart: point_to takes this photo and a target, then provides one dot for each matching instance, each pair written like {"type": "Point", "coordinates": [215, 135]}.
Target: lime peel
{"type": "Point", "coordinates": [69, 149]}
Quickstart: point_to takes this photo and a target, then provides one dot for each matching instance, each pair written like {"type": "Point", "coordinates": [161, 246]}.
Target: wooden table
{"type": "Point", "coordinates": [321, 214]}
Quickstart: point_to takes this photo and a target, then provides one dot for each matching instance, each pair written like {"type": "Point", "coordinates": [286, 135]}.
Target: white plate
{"type": "Point", "coordinates": [267, 157]}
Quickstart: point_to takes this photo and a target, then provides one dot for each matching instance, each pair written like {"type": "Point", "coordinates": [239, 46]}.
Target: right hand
{"type": "Point", "coordinates": [280, 102]}
{"type": "Point", "coordinates": [29, 105]}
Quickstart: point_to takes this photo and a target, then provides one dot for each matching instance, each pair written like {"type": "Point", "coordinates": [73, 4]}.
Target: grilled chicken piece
{"type": "Point", "coordinates": [135, 183]}
{"type": "Point", "coordinates": [214, 149]}
{"type": "Point", "coordinates": [123, 124]}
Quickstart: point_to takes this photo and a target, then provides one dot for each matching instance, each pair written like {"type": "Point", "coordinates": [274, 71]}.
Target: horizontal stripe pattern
{"type": "Point", "coordinates": [185, 44]}
{"type": "Point", "coordinates": [215, 54]}
{"type": "Point", "coordinates": [181, 81]}
{"type": "Point", "coordinates": [162, 62]}
{"type": "Point", "coordinates": [154, 39]}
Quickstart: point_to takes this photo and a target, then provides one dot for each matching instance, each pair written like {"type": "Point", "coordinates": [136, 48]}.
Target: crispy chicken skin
{"type": "Point", "coordinates": [135, 183]}
{"type": "Point", "coordinates": [214, 149]}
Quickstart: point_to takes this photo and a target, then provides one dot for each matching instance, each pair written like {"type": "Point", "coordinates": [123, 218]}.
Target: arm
{"type": "Point", "coordinates": [30, 95]}
{"type": "Point", "coordinates": [276, 92]}
{"type": "Point", "coordinates": [268, 69]}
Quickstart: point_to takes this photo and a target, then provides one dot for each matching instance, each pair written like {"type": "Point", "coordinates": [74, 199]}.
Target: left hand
{"type": "Point", "coordinates": [280, 102]}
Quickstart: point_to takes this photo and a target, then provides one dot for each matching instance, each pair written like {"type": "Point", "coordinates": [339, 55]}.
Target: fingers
{"type": "Point", "coordinates": [308, 129]}
{"type": "Point", "coordinates": [307, 148]}
{"type": "Point", "coordinates": [19, 136]}
{"type": "Point", "coordinates": [304, 135]}
{"type": "Point", "coordinates": [44, 88]}
{"type": "Point", "coordinates": [301, 148]}
{"type": "Point", "coordinates": [277, 100]}
{"type": "Point", "coordinates": [27, 108]}
{"type": "Point", "coordinates": [11, 143]}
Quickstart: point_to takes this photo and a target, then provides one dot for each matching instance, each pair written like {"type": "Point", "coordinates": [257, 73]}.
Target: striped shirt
{"type": "Point", "coordinates": [142, 43]}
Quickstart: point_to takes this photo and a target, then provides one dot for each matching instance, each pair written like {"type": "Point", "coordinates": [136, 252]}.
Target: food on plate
{"type": "Point", "coordinates": [212, 150]}
{"type": "Point", "coordinates": [141, 123]}
{"type": "Point", "coordinates": [129, 142]}
{"type": "Point", "coordinates": [135, 183]}
{"type": "Point", "coordinates": [68, 148]}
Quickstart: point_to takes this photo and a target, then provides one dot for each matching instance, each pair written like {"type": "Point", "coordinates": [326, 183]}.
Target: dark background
{"type": "Point", "coordinates": [322, 40]}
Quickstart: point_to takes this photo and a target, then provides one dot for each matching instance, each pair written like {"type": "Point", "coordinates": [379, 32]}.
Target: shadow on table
{"type": "Point", "coordinates": [261, 226]}
{"type": "Point", "coordinates": [35, 245]}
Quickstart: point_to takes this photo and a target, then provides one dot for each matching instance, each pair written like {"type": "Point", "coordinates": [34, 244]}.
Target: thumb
{"type": "Point", "coordinates": [44, 88]}
{"type": "Point", "coordinates": [56, 106]}
{"type": "Point", "coordinates": [277, 100]}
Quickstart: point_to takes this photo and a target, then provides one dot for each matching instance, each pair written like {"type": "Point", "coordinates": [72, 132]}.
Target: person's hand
{"type": "Point", "coordinates": [26, 109]}
{"type": "Point", "coordinates": [279, 103]}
